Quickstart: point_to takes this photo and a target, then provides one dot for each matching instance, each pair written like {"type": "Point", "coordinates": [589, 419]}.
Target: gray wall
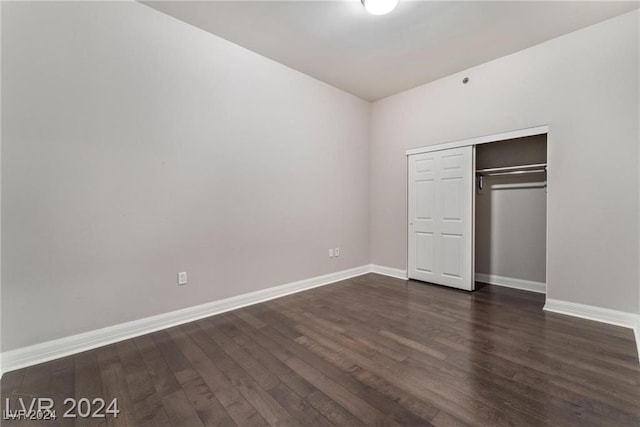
{"type": "Point", "coordinates": [135, 146]}
{"type": "Point", "coordinates": [585, 87]}
{"type": "Point", "coordinates": [511, 212]}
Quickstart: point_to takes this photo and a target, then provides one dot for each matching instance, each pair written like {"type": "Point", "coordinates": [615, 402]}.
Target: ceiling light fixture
{"type": "Point", "coordinates": [379, 7]}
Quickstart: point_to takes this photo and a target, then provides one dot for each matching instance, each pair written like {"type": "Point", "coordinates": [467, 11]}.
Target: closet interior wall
{"type": "Point", "coordinates": [510, 220]}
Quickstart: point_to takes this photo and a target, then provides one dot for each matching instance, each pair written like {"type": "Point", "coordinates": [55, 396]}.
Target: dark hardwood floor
{"type": "Point", "coordinates": [366, 351]}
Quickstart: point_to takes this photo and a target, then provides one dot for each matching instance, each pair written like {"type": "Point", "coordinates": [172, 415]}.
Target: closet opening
{"type": "Point", "coordinates": [477, 211]}
{"type": "Point", "coordinates": [511, 213]}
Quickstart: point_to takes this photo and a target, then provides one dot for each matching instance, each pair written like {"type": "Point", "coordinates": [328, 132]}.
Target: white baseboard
{"type": "Point", "coordinates": [636, 333]}
{"type": "Point", "coordinates": [388, 271]}
{"type": "Point", "coordinates": [604, 315]}
{"type": "Point", "coordinates": [50, 350]}
{"type": "Point", "coordinates": [509, 282]}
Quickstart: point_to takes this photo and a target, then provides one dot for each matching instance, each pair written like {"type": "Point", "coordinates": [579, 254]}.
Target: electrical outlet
{"type": "Point", "coordinates": [337, 251]}
{"type": "Point", "coordinates": [182, 278]}
{"type": "Point", "coordinates": [331, 253]}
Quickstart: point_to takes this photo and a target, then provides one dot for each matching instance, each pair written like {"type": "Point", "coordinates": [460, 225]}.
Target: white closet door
{"type": "Point", "coordinates": [441, 186]}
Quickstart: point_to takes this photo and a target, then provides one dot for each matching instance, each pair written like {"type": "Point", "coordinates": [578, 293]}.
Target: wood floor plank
{"type": "Point", "coordinates": [366, 413]}
{"type": "Point", "coordinates": [181, 367]}
{"type": "Point", "coordinates": [298, 407]}
{"type": "Point", "coordinates": [114, 386]}
{"type": "Point", "coordinates": [351, 355]}
{"type": "Point", "coordinates": [413, 381]}
{"type": "Point", "coordinates": [62, 386]}
{"type": "Point", "coordinates": [342, 374]}
{"type": "Point", "coordinates": [36, 380]}
{"type": "Point", "coordinates": [249, 387]}
{"type": "Point", "coordinates": [180, 411]}
{"type": "Point", "coordinates": [206, 405]}
{"type": "Point", "coordinates": [267, 380]}
{"type": "Point", "coordinates": [446, 420]}
{"type": "Point", "coordinates": [278, 355]}
{"type": "Point", "coordinates": [370, 350]}
{"type": "Point", "coordinates": [36, 384]}
{"type": "Point", "coordinates": [87, 385]}
{"type": "Point", "coordinates": [229, 396]}
{"type": "Point", "coordinates": [147, 404]}
{"type": "Point", "coordinates": [10, 384]}
{"type": "Point", "coordinates": [161, 374]}
{"type": "Point", "coordinates": [266, 351]}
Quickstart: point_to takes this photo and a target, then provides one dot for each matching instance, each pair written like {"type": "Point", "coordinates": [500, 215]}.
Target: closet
{"type": "Point", "coordinates": [477, 211]}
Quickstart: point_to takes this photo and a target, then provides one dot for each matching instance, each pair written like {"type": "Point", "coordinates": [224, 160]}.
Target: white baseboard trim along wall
{"type": "Point", "coordinates": [589, 312]}
{"type": "Point", "coordinates": [509, 282]}
{"type": "Point", "coordinates": [636, 332]}
{"type": "Point", "coordinates": [388, 271]}
{"type": "Point", "coordinates": [50, 350]}
{"type": "Point", "coordinates": [598, 314]}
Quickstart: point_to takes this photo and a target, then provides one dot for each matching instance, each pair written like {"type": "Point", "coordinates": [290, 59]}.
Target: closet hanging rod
{"type": "Point", "coordinates": [521, 172]}
{"type": "Point", "coordinates": [539, 167]}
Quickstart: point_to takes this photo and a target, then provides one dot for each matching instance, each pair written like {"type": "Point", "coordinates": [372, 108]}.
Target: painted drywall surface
{"type": "Point", "coordinates": [511, 212]}
{"type": "Point", "coordinates": [136, 146]}
{"type": "Point", "coordinates": [511, 229]}
{"type": "Point", "coordinates": [585, 87]}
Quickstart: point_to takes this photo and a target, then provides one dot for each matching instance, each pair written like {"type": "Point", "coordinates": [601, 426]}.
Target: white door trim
{"type": "Point", "coordinates": [520, 133]}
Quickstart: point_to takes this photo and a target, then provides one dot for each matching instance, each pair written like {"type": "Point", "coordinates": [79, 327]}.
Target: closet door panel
{"type": "Point", "coordinates": [425, 200]}
{"type": "Point", "coordinates": [452, 255]}
{"type": "Point", "coordinates": [424, 252]}
{"type": "Point", "coordinates": [441, 217]}
{"type": "Point", "coordinates": [423, 205]}
{"type": "Point", "coordinates": [452, 199]}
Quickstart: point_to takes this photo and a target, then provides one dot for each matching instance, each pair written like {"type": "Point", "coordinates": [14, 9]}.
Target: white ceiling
{"type": "Point", "coordinates": [372, 57]}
